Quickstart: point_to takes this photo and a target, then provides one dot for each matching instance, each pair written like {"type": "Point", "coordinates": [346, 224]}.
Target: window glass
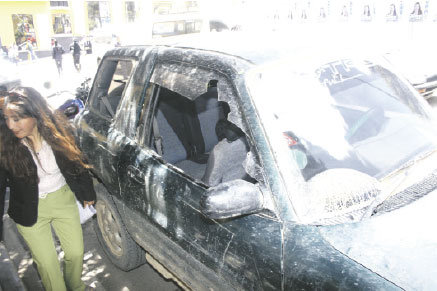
{"type": "Point", "coordinates": [180, 27]}
{"type": "Point", "coordinates": [98, 14]}
{"type": "Point", "coordinates": [58, 3]}
{"type": "Point", "coordinates": [176, 27]}
{"type": "Point", "coordinates": [192, 26]}
{"type": "Point", "coordinates": [342, 129]}
{"type": "Point", "coordinates": [368, 110]}
{"type": "Point", "coordinates": [193, 124]}
{"type": "Point", "coordinates": [172, 7]}
{"type": "Point", "coordinates": [110, 85]}
{"type": "Point", "coordinates": [24, 31]}
{"type": "Point", "coordinates": [143, 114]}
{"type": "Point", "coordinates": [61, 23]}
{"type": "Point", "coordinates": [130, 11]}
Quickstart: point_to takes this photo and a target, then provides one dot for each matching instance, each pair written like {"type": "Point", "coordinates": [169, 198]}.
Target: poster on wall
{"type": "Point", "coordinates": [415, 8]}
{"type": "Point", "coordinates": [392, 10]}
{"type": "Point", "coordinates": [301, 10]}
{"type": "Point", "coordinates": [282, 11]}
{"type": "Point", "coordinates": [366, 11]}
{"type": "Point", "coordinates": [320, 10]}
{"type": "Point", "coordinates": [341, 10]}
{"type": "Point", "coordinates": [24, 30]}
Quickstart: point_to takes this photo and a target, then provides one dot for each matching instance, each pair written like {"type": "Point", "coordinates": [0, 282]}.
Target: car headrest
{"type": "Point", "coordinates": [228, 130]}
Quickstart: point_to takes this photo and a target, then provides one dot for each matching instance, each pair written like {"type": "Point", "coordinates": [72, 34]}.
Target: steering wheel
{"type": "Point", "coordinates": [363, 119]}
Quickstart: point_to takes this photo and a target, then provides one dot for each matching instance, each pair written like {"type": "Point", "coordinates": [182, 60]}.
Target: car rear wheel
{"type": "Point", "coordinates": [113, 236]}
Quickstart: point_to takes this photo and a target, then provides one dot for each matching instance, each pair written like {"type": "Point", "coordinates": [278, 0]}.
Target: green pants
{"type": "Point", "coordinates": [58, 209]}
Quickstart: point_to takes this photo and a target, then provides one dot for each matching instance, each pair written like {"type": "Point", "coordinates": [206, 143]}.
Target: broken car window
{"type": "Point", "coordinates": [111, 82]}
{"type": "Point", "coordinates": [195, 135]}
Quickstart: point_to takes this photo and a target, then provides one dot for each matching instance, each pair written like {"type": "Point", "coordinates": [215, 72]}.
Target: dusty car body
{"type": "Point", "coordinates": [428, 87]}
{"type": "Point", "coordinates": [336, 171]}
{"type": "Point", "coordinates": [417, 65]}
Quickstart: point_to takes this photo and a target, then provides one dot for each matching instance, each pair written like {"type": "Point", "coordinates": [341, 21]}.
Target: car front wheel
{"type": "Point", "coordinates": [113, 236]}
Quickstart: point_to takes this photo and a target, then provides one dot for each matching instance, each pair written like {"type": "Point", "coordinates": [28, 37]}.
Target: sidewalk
{"type": "Point", "coordinates": [39, 72]}
{"type": "Point", "coordinates": [20, 257]}
{"type": "Point", "coordinates": [9, 279]}
{"type": "Point", "coordinates": [17, 270]}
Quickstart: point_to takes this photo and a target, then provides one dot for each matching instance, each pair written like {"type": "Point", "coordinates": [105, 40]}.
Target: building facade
{"type": "Point", "coordinates": [39, 22]}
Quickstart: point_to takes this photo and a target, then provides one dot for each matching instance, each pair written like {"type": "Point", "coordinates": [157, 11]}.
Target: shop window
{"type": "Point", "coordinates": [24, 30]}
{"type": "Point", "coordinates": [161, 8]}
{"type": "Point", "coordinates": [61, 23]}
{"type": "Point", "coordinates": [192, 5]}
{"type": "Point", "coordinates": [169, 7]}
{"type": "Point", "coordinates": [130, 11]}
{"type": "Point", "coordinates": [98, 14]}
{"type": "Point", "coordinates": [58, 3]}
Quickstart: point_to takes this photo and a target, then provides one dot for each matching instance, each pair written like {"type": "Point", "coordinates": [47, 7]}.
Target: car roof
{"type": "Point", "coordinates": [263, 47]}
{"type": "Point", "coordinates": [255, 48]}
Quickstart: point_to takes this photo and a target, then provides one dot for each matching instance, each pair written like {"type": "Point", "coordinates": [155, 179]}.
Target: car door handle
{"type": "Point", "coordinates": [136, 175]}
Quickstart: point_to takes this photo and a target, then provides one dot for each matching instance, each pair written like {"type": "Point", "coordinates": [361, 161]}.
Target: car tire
{"type": "Point", "coordinates": [112, 234]}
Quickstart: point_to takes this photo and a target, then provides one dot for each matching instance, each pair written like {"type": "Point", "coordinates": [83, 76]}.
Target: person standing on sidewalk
{"type": "Point", "coordinates": [31, 52]}
{"type": "Point", "coordinates": [13, 53]}
{"type": "Point", "coordinates": [57, 53]}
{"type": "Point", "coordinates": [76, 55]}
{"type": "Point", "coordinates": [46, 173]}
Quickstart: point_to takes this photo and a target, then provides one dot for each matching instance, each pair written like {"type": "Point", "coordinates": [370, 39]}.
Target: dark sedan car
{"type": "Point", "coordinates": [240, 162]}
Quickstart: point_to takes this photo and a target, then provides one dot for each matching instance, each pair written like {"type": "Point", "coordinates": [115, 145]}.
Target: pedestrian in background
{"type": "Point", "coordinates": [88, 46]}
{"type": "Point", "coordinates": [76, 55]}
{"type": "Point", "coordinates": [46, 174]}
{"type": "Point", "coordinates": [57, 53]}
{"type": "Point", "coordinates": [31, 52]}
{"type": "Point", "coordinates": [13, 53]}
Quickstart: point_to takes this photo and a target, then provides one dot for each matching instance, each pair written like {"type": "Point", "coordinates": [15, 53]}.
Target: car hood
{"type": "Point", "coordinates": [400, 246]}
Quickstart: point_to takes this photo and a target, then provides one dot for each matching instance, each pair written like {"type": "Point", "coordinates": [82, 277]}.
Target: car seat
{"type": "Point", "coordinates": [225, 162]}
{"type": "Point", "coordinates": [209, 112]}
{"type": "Point", "coordinates": [113, 99]}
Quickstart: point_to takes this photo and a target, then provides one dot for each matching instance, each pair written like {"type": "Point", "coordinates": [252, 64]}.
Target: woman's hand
{"type": "Point", "coordinates": [88, 203]}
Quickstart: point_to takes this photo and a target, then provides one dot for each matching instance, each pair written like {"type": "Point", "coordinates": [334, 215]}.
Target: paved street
{"type": "Point", "coordinates": [37, 73]}
{"type": "Point", "coordinates": [99, 272]}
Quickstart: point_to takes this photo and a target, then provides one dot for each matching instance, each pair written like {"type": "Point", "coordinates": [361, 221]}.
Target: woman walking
{"type": "Point", "coordinates": [46, 173]}
{"type": "Point", "coordinates": [76, 55]}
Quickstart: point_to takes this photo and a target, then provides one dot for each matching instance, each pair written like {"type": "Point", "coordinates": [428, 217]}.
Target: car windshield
{"type": "Point", "coordinates": [348, 114]}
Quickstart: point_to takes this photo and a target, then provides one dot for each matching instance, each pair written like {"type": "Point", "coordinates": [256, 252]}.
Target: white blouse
{"type": "Point", "coordinates": [49, 174]}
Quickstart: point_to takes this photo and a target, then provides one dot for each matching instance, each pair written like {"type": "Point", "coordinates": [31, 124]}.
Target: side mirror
{"type": "Point", "coordinates": [71, 111]}
{"type": "Point", "coordinates": [230, 199]}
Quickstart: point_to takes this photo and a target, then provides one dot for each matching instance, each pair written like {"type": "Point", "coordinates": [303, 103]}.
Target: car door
{"type": "Point", "coordinates": [96, 124]}
{"type": "Point", "coordinates": [162, 209]}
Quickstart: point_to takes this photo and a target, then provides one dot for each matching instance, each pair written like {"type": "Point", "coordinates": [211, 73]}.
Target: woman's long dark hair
{"type": "Point", "coordinates": [53, 127]}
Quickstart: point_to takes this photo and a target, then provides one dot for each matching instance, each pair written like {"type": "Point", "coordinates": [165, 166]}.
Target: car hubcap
{"type": "Point", "coordinates": [109, 228]}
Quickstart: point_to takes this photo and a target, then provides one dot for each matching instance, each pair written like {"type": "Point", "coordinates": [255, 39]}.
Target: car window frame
{"type": "Point", "coordinates": [93, 94]}
{"type": "Point", "coordinates": [225, 88]}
